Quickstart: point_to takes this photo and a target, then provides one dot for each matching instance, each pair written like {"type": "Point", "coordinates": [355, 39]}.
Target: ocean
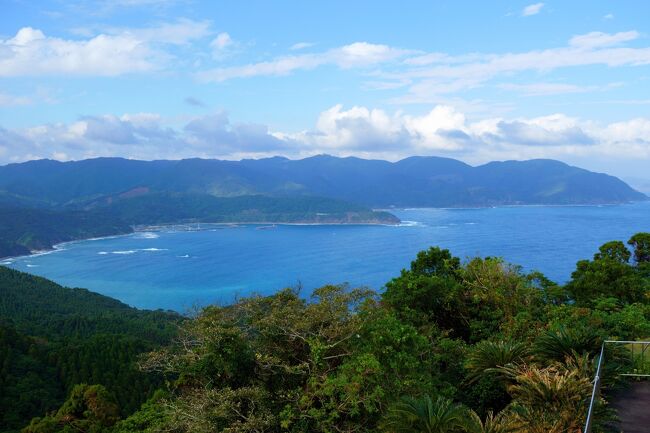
{"type": "Point", "coordinates": [181, 270]}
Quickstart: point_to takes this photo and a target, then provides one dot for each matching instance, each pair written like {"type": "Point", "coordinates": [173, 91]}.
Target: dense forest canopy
{"type": "Point", "coordinates": [52, 338]}
{"type": "Point", "coordinates": [450, 345]}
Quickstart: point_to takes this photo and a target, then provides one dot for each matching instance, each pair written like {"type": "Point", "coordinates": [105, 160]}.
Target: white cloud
{"type": "Point", "coordinates": [545, 89]}
{"type": "Point", "coordinates": [437, 74]}
{"type": "Point", "coordinates": [355, 55]}
{"type": "Point", "coordinates": [223, 46]}
{"type": "Point", "coordinates": [427, 77]}
{"type": "Point", "coordinates": [600, 39]}
{"type": "Point", "coordinates": [609, 17]}
{"type": "Point", "coordinates": [111, 53]}
{"type": "Point", "coordinates": [538, 89]}
{"type": "Point", "coordinates": [359, 131]}
{"type": "Point", "coordinates": [442, 130]}
{"type": "Point", "coordinates": [532, 9]}
{"type": "Point", "coordinates": [221, 42]}
{"type": "Point", "coordinates": [30, 52]}
{"type": "Point", "coordinates": [301, 46]}
{"type": "Point", "coordinates": [181, 32]}
{"type": "Point", "coordinates": [7, 100]}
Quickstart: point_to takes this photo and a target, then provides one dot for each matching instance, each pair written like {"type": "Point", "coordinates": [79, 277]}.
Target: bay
{"type": "Point", "coordinates": [180, 270]}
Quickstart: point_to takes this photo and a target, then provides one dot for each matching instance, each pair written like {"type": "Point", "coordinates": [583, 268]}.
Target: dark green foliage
{"type": "Point", "coordinates": [473, 301]}
{"type": "Point", "coordinates": [563, 343]}
{"type": "Point", "coordinates": [89, 409]}
{"type": "Point", "coordinates": [426, 415]}
{"type": "Point", "coordinates": [609, 274]}
{"type": "Point", "coordinates": [26, 385]}
{"type": "Point", "coordinates": [428, 292]}
{"type": "Point", "coordinates": [25, 229]}
{"type": "Point", "coordinates": [148, 419]}
{"type": "Point", "coordinates": [53, 338]}
{"type": "Point", "coordinates": [161, 208]}
{"type": "Point", "coordinates": [488, 356]}
{"type": "Point", "coordinates": [641, 244]}
{"type": "Point", "coordinates": [40, 307]}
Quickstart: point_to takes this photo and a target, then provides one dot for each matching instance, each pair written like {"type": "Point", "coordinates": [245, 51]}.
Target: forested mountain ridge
{"type": "Point", "coordinates": [25, 229]}
{"type": "Point", "coordinates": [414, 181]}
{"type": "Point", "coordinates": [52, 338]}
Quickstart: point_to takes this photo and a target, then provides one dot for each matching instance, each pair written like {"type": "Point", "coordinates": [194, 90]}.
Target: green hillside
{"type": "Point", "coordinates": [468, 346]}
{"type": "Point", "coordinates": [52, 338]}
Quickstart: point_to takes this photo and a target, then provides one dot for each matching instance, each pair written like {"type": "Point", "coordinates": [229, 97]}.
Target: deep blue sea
{"type": "Point", "coordinates": [180, 270]}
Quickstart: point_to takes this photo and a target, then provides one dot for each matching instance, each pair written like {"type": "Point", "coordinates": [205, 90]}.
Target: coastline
{"type": "Point", "coordinates": [222, 225]}
{"type": "Point", "coordinates": [499, 206]}
{"type": "Point", "coordinates": [165, 227]}
{"type": "Point", "coordinates": [159, 227]}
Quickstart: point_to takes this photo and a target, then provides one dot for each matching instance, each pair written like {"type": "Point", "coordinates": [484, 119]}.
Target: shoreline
{"type": "Point", "coordinates": [159, 227]}
{"type": "Point", "coordinates": [498, 206]}
{"type": "Point", "coordinates": [163, 227]}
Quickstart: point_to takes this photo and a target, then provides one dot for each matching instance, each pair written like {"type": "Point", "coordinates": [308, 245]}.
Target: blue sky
{"type": "Point", "coordinates": [477, 81]}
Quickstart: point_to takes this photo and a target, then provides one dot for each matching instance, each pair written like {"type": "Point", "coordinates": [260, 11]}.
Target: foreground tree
{"type": "Point", "coordinates": [641, 244]}
{"type": "Point", "coordinates": [280, 362]}
{"type": "Point", "coordinates": [609, 274]}
{"type": "Point", "coordinates": [89, 409]}
{"type": "Point", "coordinates": [550, 399]}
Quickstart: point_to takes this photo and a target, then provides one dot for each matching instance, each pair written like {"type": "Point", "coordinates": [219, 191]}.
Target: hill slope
{"type": "Point", "coordinates": [52, 338]}
{"type": "Point", "coordinates": [415, 181]}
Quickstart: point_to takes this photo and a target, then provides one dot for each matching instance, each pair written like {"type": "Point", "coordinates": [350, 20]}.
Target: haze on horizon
{"type": "Point", "coordinates": [476, 81]}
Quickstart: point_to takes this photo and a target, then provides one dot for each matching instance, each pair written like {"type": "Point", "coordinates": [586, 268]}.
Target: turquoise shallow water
{"type": "Point", "coordinates": [179, 269]}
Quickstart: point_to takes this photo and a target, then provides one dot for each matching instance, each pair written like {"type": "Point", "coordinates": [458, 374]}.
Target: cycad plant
{"type": "Point", "coordinates": [502, 422]}
{"type": "Point", "coordinates": [563, 343]}
{"type": "Point", "coordinates": [550, 399]}
{"type": "Point", "coordinates": [426, 415]}
{"type": "Point", "coordinates": [488, 357]}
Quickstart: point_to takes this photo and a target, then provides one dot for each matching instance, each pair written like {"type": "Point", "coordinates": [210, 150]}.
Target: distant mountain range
{"type": "Point", "coordinates": [415, 181]}
{"type": "Point", "coordinates": [43, 202]}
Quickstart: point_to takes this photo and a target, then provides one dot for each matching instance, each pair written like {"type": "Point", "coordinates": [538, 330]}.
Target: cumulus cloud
{"type": "Point", "coordinates": [139, 135]}
{"type": "Point", "coordinates": [441, 130]}
{"type": "Point", "coordinates": [111, 53]}
{"type": "Point", "coordinates": [532, 9]}
{"type": "Point", "coordinates": [223, 46]}
{"type": "Point", "coordinates": [222, 41]}
{"type": "Point", "coordinates": [360, 131]}
{"type": "Point", "coordinates": [30, 52]}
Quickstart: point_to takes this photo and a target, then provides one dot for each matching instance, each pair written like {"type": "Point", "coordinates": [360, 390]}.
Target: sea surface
{"type": "Point", "coordinates": [181, 270]}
